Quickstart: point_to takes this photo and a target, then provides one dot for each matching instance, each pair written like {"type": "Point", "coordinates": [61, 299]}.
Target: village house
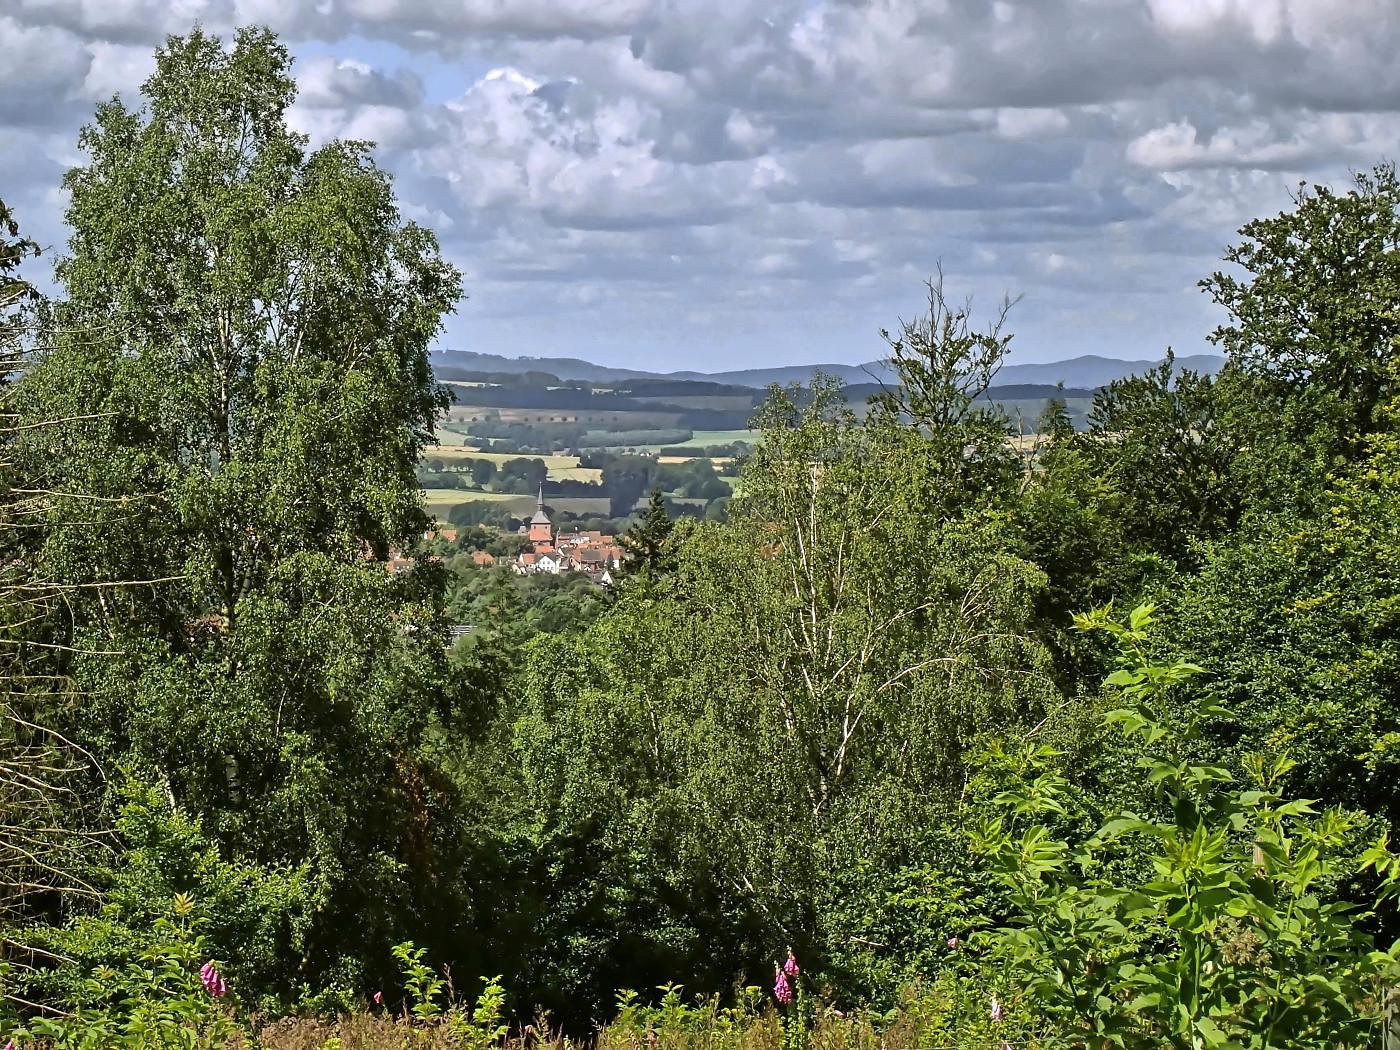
{"type": "Point", "coordinates": [591, 552]}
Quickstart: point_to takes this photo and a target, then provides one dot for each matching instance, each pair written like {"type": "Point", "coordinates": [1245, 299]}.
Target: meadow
{"type": "Point", "coordinates": [561, 467]}
{"type": "Point", "coordinates": [439, 502]}
{"type": "Point", "coordinates": [708, 438]}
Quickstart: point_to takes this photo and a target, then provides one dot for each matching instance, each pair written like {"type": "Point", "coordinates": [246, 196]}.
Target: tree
{"type": "Point", "coordinates": [1161, 440]}
{"type": "Point", "coordinates": [944, 364]}
{"type": "Point", "coordinates": [43, 843]}
{"type": "Point", "coordinates": [483, 470]}
{"type": "Point", "coordinates": [752, 754]}
{"type": "Point", "coordinates": [242, 347]}
{"type": "Point", "coordinates": [1313, 329]}
{"type": "Point", "coordinates": [646, 541]}
{"type": "Point", "coordinates": [1230, 936]}
{"type": "Point", "coordinates": [1295, 614]}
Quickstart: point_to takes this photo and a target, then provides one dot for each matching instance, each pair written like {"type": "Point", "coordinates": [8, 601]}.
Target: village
{"type": "Point", "coordinates": [547, 550]}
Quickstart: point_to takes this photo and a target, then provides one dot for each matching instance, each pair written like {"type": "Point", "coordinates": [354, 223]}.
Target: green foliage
{"type": "Point", "coordinates": [154, 1001]}
{"type": "Point", "coordinates": [1298, 617]}
{"type": "Point", "coordinates": [1232, 938]}
{"type": "Point", "coordinates": [646, 541]}
{"type": "Point", "coordinates": [466, 1027]}
{"type": "Point", "coordinates": [1159, 440]}
{"type": "Point", "coordinates": [422, 985]}
{"type": "Point", "coordinates": [1312, 334]}
{"type": "Point", "coordinates": [242, 350]}
{"type": "Point", "coordinates": [257, 917]}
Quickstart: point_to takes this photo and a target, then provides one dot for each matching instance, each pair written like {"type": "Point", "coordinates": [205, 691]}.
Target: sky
{"type": "Point", "coordinates": [714, 184]}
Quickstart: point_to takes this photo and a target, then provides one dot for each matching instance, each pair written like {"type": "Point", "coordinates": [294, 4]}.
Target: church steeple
{"type": "Point", "coordinates": [541, 528]}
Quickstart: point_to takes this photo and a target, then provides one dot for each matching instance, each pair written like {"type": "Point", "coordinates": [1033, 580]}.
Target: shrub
{"type": "Point", "coordinates": [1233, 938]}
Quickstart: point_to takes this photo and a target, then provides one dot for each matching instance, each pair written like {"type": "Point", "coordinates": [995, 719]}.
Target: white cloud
{"type": "Point", "coordinates": [785, 169]}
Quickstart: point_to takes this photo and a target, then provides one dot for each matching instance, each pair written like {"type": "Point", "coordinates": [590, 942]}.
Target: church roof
{"type": "Point", "coordinates": [540, 518]}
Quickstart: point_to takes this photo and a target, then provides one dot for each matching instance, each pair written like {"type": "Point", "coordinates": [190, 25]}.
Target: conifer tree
{"type": "Point", "coordinates": [646, 541]}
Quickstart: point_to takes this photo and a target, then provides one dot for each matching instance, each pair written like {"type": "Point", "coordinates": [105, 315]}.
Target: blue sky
{"type": "Point", "coordinates": [733, 183]}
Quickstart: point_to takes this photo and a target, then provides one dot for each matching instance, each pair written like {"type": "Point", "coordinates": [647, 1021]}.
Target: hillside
{"type": "Point", "coordinates": [1087, 371]}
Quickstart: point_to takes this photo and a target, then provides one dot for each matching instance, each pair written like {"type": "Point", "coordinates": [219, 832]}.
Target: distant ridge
{"type": "Point", "coordinates": [1086, 372]}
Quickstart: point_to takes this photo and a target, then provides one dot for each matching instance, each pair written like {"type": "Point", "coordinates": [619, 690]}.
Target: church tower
{"type": "Point", "coordinates": [541, 528]}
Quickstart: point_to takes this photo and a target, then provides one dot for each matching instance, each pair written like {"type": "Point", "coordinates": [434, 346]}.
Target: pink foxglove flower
{"type": "Point", "coordinates": [378, 998]}
{"type": "Point", "coordinates": [9, 1044]}
{"type": "Point", "coordinates": [790, 967]}
{"type": "Point", "coordinates": [782, 991]}
{"type": "Point", "coordinates": [953, 943]}
{"type": "Point", "coordinates": [213, 982]}
{"type": "Point", "coordinates": [996, 1011]}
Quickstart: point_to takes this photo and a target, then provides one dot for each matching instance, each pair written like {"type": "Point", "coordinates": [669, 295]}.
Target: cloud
{"type": "Point", "coordinates": [774, 177]}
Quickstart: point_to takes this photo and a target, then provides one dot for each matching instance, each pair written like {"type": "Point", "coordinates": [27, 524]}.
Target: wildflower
{"type": "Point", "coordinates": [953, 943]}
{"type": "Point", "coordinates": [790, 967]}
{"type": "Point", "coordinates": [782, 991]}
{"type": "Point", "coordinates": [378, 998]}
{"type": "Point", "coordinates": [10, 1044]}
{"type": "Point", "coordinates": [1005, 1045]}
{"type": "Point", "coordinates": [996, 1009]}
{"type": "Point", "coordinates": [213, 982]}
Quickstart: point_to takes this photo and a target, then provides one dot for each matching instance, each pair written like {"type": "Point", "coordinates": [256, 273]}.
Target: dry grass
{"type": "Point", "coordinates": [380, 1032]}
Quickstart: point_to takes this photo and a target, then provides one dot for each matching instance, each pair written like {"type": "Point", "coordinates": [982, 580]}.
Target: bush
{"type": "Point", "coordinates": [1232, 939]}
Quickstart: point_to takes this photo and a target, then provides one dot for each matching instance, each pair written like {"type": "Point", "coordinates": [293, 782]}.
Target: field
{"type": "Point", "coordinates": [450, 435]}
{"type": "Point", "coordinates": [704, 438]}
{"type": "Point", "coordinates": [629, 419]}
{"type": "Point", "coordinates": [561, 468]}
{"type": "Point", "coordinates": [719, 402]}
{"type": "Point", "coordinates": [441, 501]}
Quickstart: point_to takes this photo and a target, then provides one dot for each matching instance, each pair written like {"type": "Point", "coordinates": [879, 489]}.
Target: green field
{"type": "Point", "coordinates": [450, 436]}
{"type": "Point", "coordinates": [611, 418]}
{"type": "Point", "coordinates": [561, 468]}
{"type": "Point", "coordinates": [720, 402]}
{"type": "Point", "coordinates": [440, 501]}
{"type": "Point", "coordinates": [702, 438]}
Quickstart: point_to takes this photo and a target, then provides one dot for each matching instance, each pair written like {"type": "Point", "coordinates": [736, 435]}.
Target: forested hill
{"type": "Point", "coordinates": [1087, 371]}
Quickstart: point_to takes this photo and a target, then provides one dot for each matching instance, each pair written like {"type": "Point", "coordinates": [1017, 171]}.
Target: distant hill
{"type": "Point", "coordinates": [1083, 373]}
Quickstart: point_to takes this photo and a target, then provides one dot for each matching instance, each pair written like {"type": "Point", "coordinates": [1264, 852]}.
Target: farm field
{"type": "Point", "coordinates": [441, 501]}
{"type": "Point", "coordinates": [561, 468]}
{"type": "Point", "coordinates": [613, 418]}
{"type": "Point", "coordinates": [721, 402]}
{"type": "Point", "coordinates": [704, 438]}
{"type": "Point", "coordinates": [450, 436]}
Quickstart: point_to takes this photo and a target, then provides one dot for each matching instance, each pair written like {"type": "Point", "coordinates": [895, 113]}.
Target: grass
{"type": "Point", "coordinates": [703, 438]}
{"type": "Point", "coordinates": [451, 436]}
{"type": "Point", "coordinates": [718, 461]}
{"type": "Point", "coordinates": [440, 501]}
{"type": "Point", "coordinates": [698, 1026]}
{"type": "Point", "coordinates": [561, 468]}
{"type": "Point", "coordinates": [608, 418]}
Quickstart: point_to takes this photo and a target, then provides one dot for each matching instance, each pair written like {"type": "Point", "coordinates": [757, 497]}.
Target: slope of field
{"type": "Point", "coordinates": [705, 438]}
{"type": "Point", "coordinates": [619, 417]}
{"type": "Point", "coordinates": [440, 502]}
{"type": "Point", "coordinates": [561, 468]}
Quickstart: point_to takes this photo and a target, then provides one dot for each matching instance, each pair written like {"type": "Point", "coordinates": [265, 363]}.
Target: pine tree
{"type": "Point", "coordinates": [646, 542]}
